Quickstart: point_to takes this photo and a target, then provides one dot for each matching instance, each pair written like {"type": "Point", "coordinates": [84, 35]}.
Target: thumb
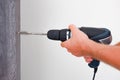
{"type": "Point", "coordinates": [75, 31]}
{"type": "Point", "coordinates": [73, 28]}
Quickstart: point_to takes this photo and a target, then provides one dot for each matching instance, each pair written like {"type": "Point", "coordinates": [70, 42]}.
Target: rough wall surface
{"type": "Point", "coordinates": [9, 40]}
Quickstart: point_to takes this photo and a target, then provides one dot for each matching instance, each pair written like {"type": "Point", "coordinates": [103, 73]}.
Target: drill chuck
{"type": "Point", "coordinates": [61, 35]}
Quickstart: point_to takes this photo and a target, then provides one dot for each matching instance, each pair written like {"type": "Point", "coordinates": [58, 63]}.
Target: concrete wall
{"type": "Point", "coordinates": [9, 40]}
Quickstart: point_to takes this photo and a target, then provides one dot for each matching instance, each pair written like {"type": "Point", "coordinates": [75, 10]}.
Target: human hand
{"type": "Point", "coordinates": [78, 43]}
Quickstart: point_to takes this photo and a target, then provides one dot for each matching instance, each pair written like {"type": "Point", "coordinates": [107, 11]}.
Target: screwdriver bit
{"type": "Point", "coordinates": [31, 33]}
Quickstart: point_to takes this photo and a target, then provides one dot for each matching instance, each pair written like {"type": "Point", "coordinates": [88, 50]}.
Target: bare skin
{"type": "Point", "coordinates": [80, 45]}
{"type": "Point", "coordinates": [88, 59]}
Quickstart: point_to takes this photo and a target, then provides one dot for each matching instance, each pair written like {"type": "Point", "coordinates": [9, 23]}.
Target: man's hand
{"type": "Point", "coordinates": [78, 43]}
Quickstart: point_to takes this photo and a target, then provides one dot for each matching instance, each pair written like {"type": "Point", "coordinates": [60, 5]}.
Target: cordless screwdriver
{"type": "Point", "coordinates": [100, 35]}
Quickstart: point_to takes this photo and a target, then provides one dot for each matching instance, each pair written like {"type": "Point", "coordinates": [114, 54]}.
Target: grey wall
{"type": "Point", "coordinates": [9, 40]}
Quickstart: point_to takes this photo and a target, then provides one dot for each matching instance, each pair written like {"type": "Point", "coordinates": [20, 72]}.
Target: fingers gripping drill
{"type": "Point", "coordinates": [100, 35]}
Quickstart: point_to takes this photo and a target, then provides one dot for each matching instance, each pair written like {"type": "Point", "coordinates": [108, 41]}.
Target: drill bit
{"type": "Point", "coordinates": [31, 33]}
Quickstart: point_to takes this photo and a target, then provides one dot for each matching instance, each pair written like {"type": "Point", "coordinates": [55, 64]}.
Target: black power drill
{"type": "Point", "coordinates": [100, 35]}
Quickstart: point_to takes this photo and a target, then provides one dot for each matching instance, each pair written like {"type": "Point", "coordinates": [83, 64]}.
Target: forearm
{"type": "Point", "coordinates": [106, 53]}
